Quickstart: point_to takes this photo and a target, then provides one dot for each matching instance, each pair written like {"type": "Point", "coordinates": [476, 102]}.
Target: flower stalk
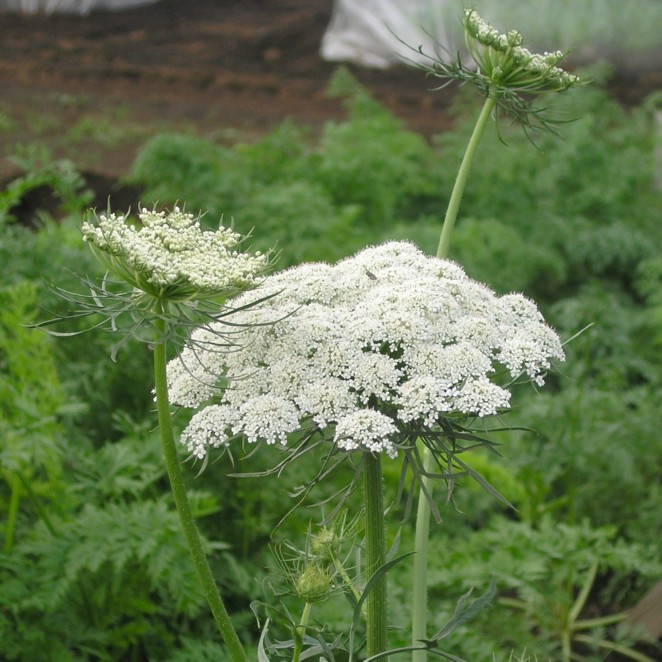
{"type": "Point", "coordinates": [327, 344]}
{"type": "Point", "coordinates": [419, 587]}
{"type": "Point", "coordinates": [505, 69]}
{"type": "Point", "coordinates": [178, 274]}
{"type": "Point", "coordinates": [420, 571]}
{"type": "Point", "coordinates": [300, 631]}
{"type": "Point", "coordinates": [178, 487]}
{"type": "Point", "coordinates": [462, 177]}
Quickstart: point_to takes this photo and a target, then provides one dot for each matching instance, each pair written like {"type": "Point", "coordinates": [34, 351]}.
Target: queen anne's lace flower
{"type": "Point", "coordinates": [386, 339]}
{"type": "Point", "coordinates": [170, 257]}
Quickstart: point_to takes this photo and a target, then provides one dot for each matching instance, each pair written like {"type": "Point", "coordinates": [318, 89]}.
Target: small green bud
{"type": "Point", "coordinates": [501, 43]}
{"type": "Point", "coordinates": [514, 38]}
{"type": "Point", "coordinates": [314, 583]}
{"type": "Point", "coordinates": [325, 544]}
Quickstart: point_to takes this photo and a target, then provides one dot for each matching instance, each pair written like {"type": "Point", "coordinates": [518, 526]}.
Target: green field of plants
{"type": "Point", "coordinates": [94, 565]}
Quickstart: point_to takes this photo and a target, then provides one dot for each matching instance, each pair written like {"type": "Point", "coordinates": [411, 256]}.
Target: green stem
{"type": "Point", "coordinates": [599, 622]}
{"type": "Point", "coordinates": [625, 651]}
{"type": "Point", "coordinates": [36, 503]}
{"type": "Point", "coordinates": [419, 597]}
{"type": "Point", "coordinates": [14, 498]}
{"type": "Point", "coordinates": [566, 644]}
{"type": "Point", "coordinates": [300, 631]}
{"type": "Point", "coordinates": [340, 569]}
{"type": "Point", "coordinates": [205, 576]}
{"type": "Point", "coordinates": [462, 176]}
{"type": "Point", "coordinates": [583, 594]}
{"type": "Point", "coordinates": [376, 601]}
{"type": "Point", "coordinates": [420, 587]}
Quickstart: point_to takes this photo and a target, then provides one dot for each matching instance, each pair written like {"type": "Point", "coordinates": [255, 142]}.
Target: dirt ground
{"type": "Point", "coordinates": [210, 65]}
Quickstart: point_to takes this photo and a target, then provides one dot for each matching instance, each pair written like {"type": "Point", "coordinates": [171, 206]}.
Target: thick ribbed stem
{"type": "Point", "coordinates": [221, 617]}
{"type": "Point", "coordinates": [376, 602]}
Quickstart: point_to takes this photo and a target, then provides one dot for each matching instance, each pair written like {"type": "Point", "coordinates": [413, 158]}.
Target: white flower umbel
{"type": "Point", "coordinates": [170, 257]}
{"type": "Point", "coordinates": [386, 341]}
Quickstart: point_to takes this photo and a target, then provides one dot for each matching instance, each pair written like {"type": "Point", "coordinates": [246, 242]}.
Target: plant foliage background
{"type": "Point", "coordinates": [93, 565]}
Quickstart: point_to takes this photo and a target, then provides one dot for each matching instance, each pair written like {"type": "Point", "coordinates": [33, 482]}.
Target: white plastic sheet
{"type": "Point", "coordinates": [380, 33]}
{"type": "Point", "coordinates": [363, 31]}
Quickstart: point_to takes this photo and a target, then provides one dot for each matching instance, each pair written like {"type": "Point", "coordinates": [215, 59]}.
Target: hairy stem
{"type": "Point", "coordinates": [420, 586]}
{"type": "Point", "coordinates": [376, 602]}
{"type": "Point", "coordinates": [191, 533]}
{"type": "Point", "coordinates": [300, 631]}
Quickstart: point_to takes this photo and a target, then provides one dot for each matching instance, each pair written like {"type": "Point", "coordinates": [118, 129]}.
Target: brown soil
{"type": "Point", "coordinates": [205, 65]}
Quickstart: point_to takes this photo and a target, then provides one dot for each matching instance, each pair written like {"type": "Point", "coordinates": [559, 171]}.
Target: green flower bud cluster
{"type": "Point", "coordinates": [503, 59]}
{"type": "Point", "coordinates": [317, 571]}
{"type": "Point", "coordinates": [317, 580]}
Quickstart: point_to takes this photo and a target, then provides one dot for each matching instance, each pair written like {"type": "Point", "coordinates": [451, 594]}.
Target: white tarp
{"type": "Point", "coordinates": [70, 6]}
{"type": "Point", "coordinates": [377, 33]}
{"type": "Point", "coordinates": [380, 33]}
